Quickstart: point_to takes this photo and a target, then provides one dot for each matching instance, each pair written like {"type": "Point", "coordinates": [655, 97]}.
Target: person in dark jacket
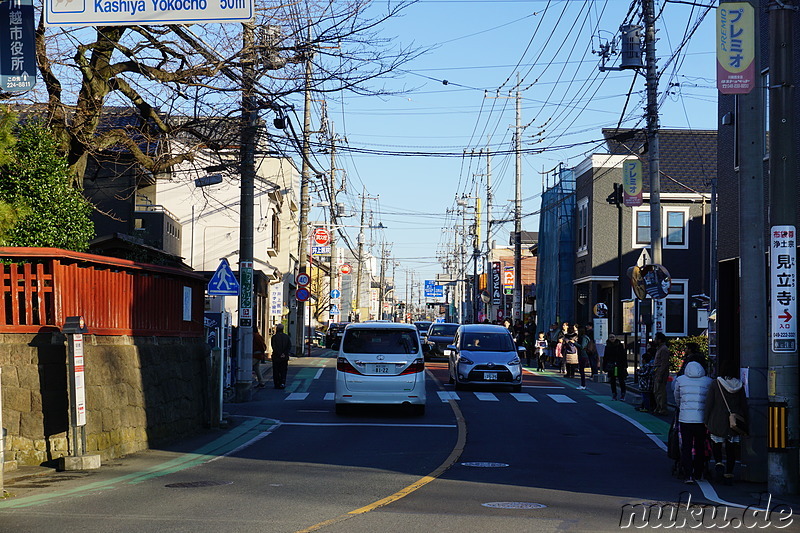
{"type": "Point", "coordinates": [691, 391]}
{"type": "Point", "coordinates": [615, 360]}
{"type": "Point", "coordinates": [259, 356]}
{"type": "Point", "coordinates": [281, 348]}
{"type": "Point", "coordinates": [725, 388]}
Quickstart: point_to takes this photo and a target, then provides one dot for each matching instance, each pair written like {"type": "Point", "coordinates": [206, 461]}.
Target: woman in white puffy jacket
{"type": "Point", "coordinates": [691, 390]}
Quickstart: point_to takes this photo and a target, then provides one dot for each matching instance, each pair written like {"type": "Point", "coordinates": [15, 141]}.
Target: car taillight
{"type": "Point", "coordinates": [417, 366]}
{"type": "Point", "coordinates": [343, 365]}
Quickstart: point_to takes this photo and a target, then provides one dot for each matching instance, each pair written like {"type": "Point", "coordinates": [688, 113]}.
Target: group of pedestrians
{"type": "Point", "coordinates": [281, 345]}
{"type": "Point", "coordinates": [570, 349]}
{"type": "Point", "coordinates": [710, 413]}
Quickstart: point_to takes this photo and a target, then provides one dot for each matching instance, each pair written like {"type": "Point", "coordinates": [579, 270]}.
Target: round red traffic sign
{"type": "Point", "coordinates": [302, 294]}
{"type": "Point", "coordinates": [346, 269]}
{"type": "Point", "coordinates": [303, 279]}
{"type": "Point", "coordinates": [322, 237]}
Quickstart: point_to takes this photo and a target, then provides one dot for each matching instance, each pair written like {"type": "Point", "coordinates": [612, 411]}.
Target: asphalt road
{"type": "Point", "coordinates": [551, 458]}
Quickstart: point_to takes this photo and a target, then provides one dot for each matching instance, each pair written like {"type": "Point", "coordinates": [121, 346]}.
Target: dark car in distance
{"type": "Point", "coordinates": [440, 335]}
{"type": "Point", "coordinates": [333, 336]}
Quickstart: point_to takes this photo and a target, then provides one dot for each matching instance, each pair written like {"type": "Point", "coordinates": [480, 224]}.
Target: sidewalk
{"type": "Point", "coordinates": [740, 493]}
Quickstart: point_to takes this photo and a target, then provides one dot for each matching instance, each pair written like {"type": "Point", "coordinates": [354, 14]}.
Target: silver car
{"type": "Point", "coordinates": [484, 354]}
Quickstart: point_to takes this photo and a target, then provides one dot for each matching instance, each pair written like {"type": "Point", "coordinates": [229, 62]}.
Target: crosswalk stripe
{"type": "Point", "coordinates": [523, 397]}
{"type": "Point", "coordinates": [447, 395]}
{"type": "Point", "coordinates": [297, 396]}
{"type": "Point", "coordinates": [319, 373]}
{"type": "Point", "coordinates": [330, 396]}
{"type": "Point", "coordinates": [561, 398]}
{"type": "Point", "coordinates": [486, 397]}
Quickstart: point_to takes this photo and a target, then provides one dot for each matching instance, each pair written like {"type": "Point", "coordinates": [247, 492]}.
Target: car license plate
{"type": "Point", "coordinates": [381, 369]}
{"type": "Point", "coordinates": [490, 376]}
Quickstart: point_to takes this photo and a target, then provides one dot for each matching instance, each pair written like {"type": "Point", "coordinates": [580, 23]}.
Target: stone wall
{"type": "Point", "coordinates": [140, 391]}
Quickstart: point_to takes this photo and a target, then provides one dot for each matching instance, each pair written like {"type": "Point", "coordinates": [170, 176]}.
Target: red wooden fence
{"type": "Point", "coordinates": [40, 287]}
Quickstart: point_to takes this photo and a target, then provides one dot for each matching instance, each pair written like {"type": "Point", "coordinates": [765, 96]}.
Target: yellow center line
{"type": "Point", "coordinates": [458, 449]}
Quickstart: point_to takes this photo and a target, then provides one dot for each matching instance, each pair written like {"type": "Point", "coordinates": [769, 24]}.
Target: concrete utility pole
{"type": "Point", "coordinates": [334, 266]}
{"type": "Point", "coordinates": [783, 365]}
{"type": "Point", "coordinates": [489, 197]}
{"type": "Point", "coordinates": [518, 211]}
{"type": "Point", "coordinates": [305, 173]}
{"type": "Point", "coordinates": [653, 151]}
{"type": "Point", "coordinates": [244, 377]}
{"type": "Point", "coordinates": [382, 283]}
{"type": "Point", "coordinates": [361, 240]}
{"type": "Point", "coordinates": [752, 289]}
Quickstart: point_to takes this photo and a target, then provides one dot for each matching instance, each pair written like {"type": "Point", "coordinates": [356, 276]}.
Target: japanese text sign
{"type": "Point", "coordinates": [18, 53]}
{"type": "Point", "coordinates": [783, 288]}
{"type": "Point", "coordinates": [736, 67]}
{"type": "Point", "coordinates": [632, 181]}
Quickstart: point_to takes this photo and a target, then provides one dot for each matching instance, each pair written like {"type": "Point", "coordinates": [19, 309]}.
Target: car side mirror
{"type": "Point", "coordinates": [452, 347]}
{"type": "Point", "coordinates": [521, 349]}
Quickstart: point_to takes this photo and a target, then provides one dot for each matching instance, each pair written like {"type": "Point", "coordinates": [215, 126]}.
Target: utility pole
{"type": "Point", "coordinates": [783, 365]}
{"type": "Point", "coordinates": [476, 253]}
{"type": "Point", "coordinates": [361, 240]}
{"type": "Point", "coordinates": [653, 151]}
{"type": "Point", "coordinates": [518, 211]}
{"type": "Point", "coordinates": [489, 197]}
{"type": "Point", "coordinates": [382, 281]}
{"type": "Point", "coordinates": [304, 196]}
{"type": "Point", "coordinates": [334, 266]}
{"type": "Point", "coordinates": [244, 377]}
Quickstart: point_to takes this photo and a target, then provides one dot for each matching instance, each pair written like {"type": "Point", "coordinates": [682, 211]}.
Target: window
{"type": "Point", "coordinates": [675, 309]}
{"type": "Point", "coordinates": [642, 227]}
{"type": "Point", "coordinates": [583, 225]}
{"type": "Point", "coordinates": [276, 232]}
{"type": "Point", "coordinates": [674, 227]}
{"type": "Point", "coordinates": [676, 231]}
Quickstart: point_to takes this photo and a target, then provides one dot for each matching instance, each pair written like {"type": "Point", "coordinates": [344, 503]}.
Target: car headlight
{"type": "Point", "coordinates": [514, 361]}
{"type": "Point", "coordinates": [465, 360]}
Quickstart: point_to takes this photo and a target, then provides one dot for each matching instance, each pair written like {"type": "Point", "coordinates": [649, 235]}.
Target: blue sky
{"type": "Point", "coordinates": [478, 47]}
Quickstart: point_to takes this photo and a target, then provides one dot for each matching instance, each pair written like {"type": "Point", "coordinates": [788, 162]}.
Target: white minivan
{"type": "Point", "coordinates": [380, 363]}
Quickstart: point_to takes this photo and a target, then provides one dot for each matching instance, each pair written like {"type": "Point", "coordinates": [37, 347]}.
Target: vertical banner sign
{"type": "Point", "coordinates": [497, 283]}
{"type": "Point", "coordinates": [783, 288]}
{"type": "Point", "coordinates": [632, 181]}
{"type": "Point", "coordinates": [246, 294]}
{"type": "Point", "coordinates": [17, 53]}
{"type": "Point", "coordinates": [508, 279]}
{"type": "Point", "coordinates": [79, 402]}
{"type": "Point", "coordinates": [736, 66]}
{"type": "Point", "coordinates": [430, 288]}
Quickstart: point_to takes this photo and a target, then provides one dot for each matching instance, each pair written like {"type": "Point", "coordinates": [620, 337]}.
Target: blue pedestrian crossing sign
{"type": "Point", "coordinates": [223, 282]}
{"type": "Point", "coordinates": [334, 309]}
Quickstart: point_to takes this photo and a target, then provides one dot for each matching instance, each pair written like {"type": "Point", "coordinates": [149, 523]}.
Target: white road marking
{"type": "Point", "coordinates": [330, 396]}
{"type": "Point", "coordinates": [561, 398]}
{"type": "Point", "coordinates": [446, 395]}
{"type": "Point", "coordinates": [486, 397]}
{"type": "Point", "coordinates": [297, 396]}
{"type": "Point", "coordinates": [319, 373]}
{"type": "Point", "coordinates": [523, 397]}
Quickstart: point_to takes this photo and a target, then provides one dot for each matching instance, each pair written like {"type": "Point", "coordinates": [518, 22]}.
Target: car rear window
{"type": "Point", "coordinates": [443, 330]}
{"type": "Point", "coordinates": [380, 341]}
{"type": "Point", "coordinates": [487, 342]}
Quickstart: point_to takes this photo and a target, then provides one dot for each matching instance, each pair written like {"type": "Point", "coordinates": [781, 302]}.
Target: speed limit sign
{"type": "Point", "coordinates": [303, 279]}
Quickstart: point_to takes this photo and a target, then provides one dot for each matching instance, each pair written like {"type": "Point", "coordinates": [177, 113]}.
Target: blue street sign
{"type": "Point", "coordinates": [430, 288]}
{"type": "Point", "coordinates": [334, 309]}
{"type": "Point", "coordinates": [438, 291]}
{"type": "Point", "coordinates": [223, 282]}
{"type": "Point", "coordinates": [302, 294]}
{"type": "Point", "coordinates": [336, 294]}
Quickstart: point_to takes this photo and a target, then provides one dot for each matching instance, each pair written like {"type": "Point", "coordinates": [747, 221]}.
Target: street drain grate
{"type": "Point", "coordinates": [196, 484]}
{"type": "Point", "coordinates": [514, 505]}
{"type": "Point", "coordinates": [485, 465]}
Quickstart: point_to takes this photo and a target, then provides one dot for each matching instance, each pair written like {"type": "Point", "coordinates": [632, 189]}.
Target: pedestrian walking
{"type": "Point", "coordinates": [726, 397]}
{"type": "Point", "coordinates": [615, 360]}
{"type": "Point", "coordinates": [660, 374]}
{"type": "Point", "coordinates": [541, 351]}
{"type": "Point", "coordinates": [572, 355]}
{"type": "Point", "coordinates": [692, 353]}
{"type": "Point", "coordinates": [281, 350]}
{"type": "Point", "coordinates": [591, 350]}
{"type": "Point", "coordinates": [259, 356]}
{"type": "Point", "coordinates": [645, 376]}
{"type": "Point", "coordinates": [558, 356]}
{"type": "Point", "coordinates": [691, 391]}
{"type": "Point", "coordinates": [552, 340]}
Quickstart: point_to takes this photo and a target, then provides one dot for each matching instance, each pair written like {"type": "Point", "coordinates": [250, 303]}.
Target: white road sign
{"type": "Point", "coordinates": [783, 288]}
{"type": "Point", "coordinates": [144, 12]}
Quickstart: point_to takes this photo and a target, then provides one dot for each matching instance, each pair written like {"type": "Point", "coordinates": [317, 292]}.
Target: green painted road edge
{"type": "Point", "coordinates": [655, 425]}
{"type": "Point", "coordinates": [226, 443]}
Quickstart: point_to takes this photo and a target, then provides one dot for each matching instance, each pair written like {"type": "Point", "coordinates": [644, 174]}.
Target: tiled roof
{"type": "Point", "coordinates": [687, 158]}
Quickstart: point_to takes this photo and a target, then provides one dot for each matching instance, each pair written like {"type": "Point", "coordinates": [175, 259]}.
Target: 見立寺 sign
{"type": "Point", "coordinates": [783, 288]}
{"type": "Point", "coordinates": [144, 12]}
